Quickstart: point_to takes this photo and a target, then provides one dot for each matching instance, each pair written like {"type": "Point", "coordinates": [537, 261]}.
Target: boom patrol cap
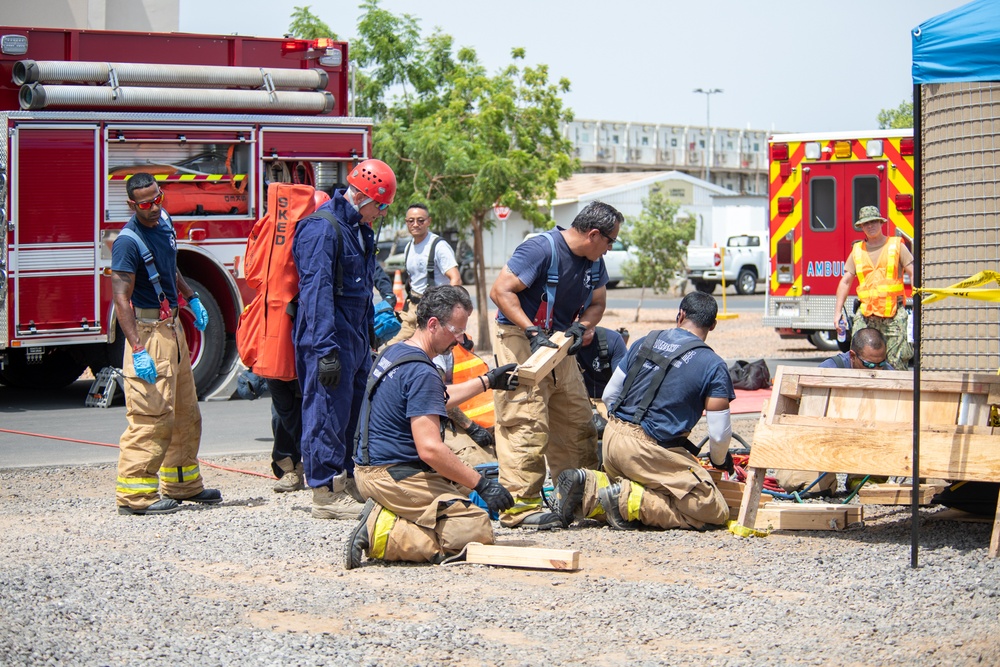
{"type": "Point", "coordinates": [867, 214]}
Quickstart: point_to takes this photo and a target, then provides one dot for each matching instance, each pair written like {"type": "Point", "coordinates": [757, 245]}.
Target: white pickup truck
{"type": "Point", "coordinates": [747, 262]}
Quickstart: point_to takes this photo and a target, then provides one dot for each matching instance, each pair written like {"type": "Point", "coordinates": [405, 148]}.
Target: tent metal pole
{"type": "Point", "coordinates": [917, 282]}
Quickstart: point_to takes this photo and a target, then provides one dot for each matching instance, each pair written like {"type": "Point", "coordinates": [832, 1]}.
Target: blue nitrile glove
{"type": "Point", "coordinates": [200, 314]}
{"type": "Point", "coordinates": [478, 501]}
{"type": "Point", "coordinates": [144, 366]}
{"type": "Point", "coordinates": [386, 323]}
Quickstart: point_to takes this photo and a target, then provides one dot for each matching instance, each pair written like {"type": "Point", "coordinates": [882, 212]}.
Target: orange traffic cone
{"type": "Point", "coordinates": [397, 289]}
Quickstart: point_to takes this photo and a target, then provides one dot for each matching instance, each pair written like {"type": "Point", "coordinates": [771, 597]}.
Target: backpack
{"type": "Point", "coordinates": [264, 332]}
{"type": "Point", "coordinates": [750, 375]}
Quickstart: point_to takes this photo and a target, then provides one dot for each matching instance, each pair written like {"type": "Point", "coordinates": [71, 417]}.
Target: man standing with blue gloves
{"type": "Point", "coordinates": [336, 264]}
{"type": "Point", "coordinates": [159, 449]}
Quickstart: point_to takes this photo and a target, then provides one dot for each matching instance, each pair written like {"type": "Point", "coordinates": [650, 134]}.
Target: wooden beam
{"type": "Point", "coordinates": [801, 517]}
{"type": "Point", "coordinates": [995, 536]}
{"type": "Point", "coordinates": [751, 496]}
{"type": "Point", "coordinates": [897, 494]}
{"type": "Point", "coordinates": [544, 360]}
{"type": "Point", "coordinates": [946, 454]}
{"type": "Point", "coordinates": [531, 557]}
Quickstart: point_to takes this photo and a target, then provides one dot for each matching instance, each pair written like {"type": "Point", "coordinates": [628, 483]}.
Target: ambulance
{"type": "Point", "coordinates": [817, 185]}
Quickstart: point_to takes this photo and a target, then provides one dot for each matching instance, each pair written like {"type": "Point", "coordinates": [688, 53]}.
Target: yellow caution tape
{"type": "Point", "coordinates": [962, 289]}
{"type": "Point", "coordinates": [742, 531]}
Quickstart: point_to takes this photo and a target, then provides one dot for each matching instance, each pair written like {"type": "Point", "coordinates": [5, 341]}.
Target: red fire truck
{"type": "Point", "coordinates": [818, 183]}
{"type": "Point", "coordinates": [214, 118]}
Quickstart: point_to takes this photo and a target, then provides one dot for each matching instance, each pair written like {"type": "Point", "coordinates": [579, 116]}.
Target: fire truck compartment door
{"type": "Point", "coordinates": [314, 143]}
{"type": "Point", "coordinates": [54, 208]}
{"type": "Point", "coordinates": [832, 195]}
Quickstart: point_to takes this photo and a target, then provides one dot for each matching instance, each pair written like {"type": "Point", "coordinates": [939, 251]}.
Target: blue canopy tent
{"type": "Point", "coordinates": [962, 45]}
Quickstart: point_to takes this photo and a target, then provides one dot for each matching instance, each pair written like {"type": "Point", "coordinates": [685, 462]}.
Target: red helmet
{"type": "Point", "coordinates": [375, 179]}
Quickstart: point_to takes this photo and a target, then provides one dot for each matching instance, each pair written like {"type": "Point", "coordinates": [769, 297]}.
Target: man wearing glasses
{"type": "Point", "coordinates": [868, 351]}
{"type": "Point", "coordinates": [880, 263]}
{"type": "Point", "coordinates": [429, 261]}
{"type": "Point", "coordinates": [336, 265]}
{"type": "Point", "coordinates": [419, 508]}
{"type": "Point", "coordinates": [552, 282]}
{"type": "Point", "coordinates": [159, 449]}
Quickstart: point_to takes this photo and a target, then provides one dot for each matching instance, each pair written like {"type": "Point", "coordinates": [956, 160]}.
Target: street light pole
{"type": "Point", "coordinates": [708, 92]}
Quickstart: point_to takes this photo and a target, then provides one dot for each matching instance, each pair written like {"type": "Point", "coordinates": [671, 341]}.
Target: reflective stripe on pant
{"type": "Point", "coordinates": [408, 323]}
{"type": "Point", "coordinates": [160, 445]}
{"type": "Point", "coordinates": [677, 491]}
{"type": "Point", "coordinates": [552, 421]}
{"type": "Point", "coordinates": [434, 516]}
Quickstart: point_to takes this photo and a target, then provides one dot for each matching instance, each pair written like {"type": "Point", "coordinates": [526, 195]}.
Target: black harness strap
{"type": "Point", "coordinates": [662, 362]}
{"type": "Point", "coordinates": [430, 263]}
{"type": "Point", "coordinates": [380, 369]}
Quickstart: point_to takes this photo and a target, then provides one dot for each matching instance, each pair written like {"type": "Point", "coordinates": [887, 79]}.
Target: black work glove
{"type": "Point", "coordinates": [480, 435]}
{"type": "Point", "coordinates": [390, 299]}
{"type": "Point", "coordinates": [329, 369]}
{"type": "Point", "coordinates": [576, 330]}
{"type": "Point", "coordinates": [501, 378]}
{"type": "Point", "coordinates": [495, 496]}
{"type": "Point", "coordinates": [727, 466]}
{"type": "Point", "coordinates": [537, 339]}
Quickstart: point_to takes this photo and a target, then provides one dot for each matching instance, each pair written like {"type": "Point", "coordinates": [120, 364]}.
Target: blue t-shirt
{"type": "Point", "coordinates": [677, 406]}
{"type": "Point", "coordinates": [845, 357]}
{"type": "Point", "coordinates": [530, 262]}
{"type": "Point", "coordinates": [590, 362]}
{"type": "Point", "coordinates": [412, 389]}
{"type": "Point", "coordinates": [162, 243]}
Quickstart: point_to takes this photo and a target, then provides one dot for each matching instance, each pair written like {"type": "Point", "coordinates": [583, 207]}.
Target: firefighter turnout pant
{"type": "Point", "coordinates": [552, 421]}
{"type": "Point", "coordinates": [660, 487]}
{"type": "Point", "coordinates": [898, 350]}
{"type": "Point", "coordinates": [164, 422]}
{"type": "Point", "coordinates": [465, 448]}
{"type": "Point", "coordinates": [421, 517]}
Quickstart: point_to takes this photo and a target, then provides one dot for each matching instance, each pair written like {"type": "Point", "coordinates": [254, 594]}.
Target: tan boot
{"type": "Point", "coordinates": [336, 503]}
{"type": "Point", "coordinates": [292, 479]}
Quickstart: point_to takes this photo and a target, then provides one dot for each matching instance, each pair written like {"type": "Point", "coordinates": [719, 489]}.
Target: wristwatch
{"type": "Point", "coordinates": [194, 295]}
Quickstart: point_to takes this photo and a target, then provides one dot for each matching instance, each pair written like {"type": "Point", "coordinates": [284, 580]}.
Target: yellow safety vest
{"type": "Point", "coordinates": [879, 287]}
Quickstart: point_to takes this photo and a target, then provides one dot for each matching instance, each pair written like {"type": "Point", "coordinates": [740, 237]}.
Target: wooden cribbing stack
{"type": "Point", "coordinates": [860, 421]}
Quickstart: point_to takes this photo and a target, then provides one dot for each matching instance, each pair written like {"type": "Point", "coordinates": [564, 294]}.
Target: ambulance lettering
{"type": "Point", "coordinates": [825, 269]}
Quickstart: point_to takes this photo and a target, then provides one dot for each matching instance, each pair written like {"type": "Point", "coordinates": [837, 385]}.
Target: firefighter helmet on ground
{"type": "Point", "coordinates": [375, 179]}
{"type": "Point", "coordinates": [868, 214]}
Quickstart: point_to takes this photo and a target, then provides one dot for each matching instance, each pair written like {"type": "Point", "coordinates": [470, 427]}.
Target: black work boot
{"type": "Point", "coordinates": [161, 506]}
{"type": "Point", "coordinates": [359, 540]}
{"type": "Point", "coordinates": [608, 497]}
{"type": "Point", "coordinates": [205, 497]}
{"type": "Point", "coordinates": [569, 494]}
{"type": "Point", "coordinates": [541, 521]}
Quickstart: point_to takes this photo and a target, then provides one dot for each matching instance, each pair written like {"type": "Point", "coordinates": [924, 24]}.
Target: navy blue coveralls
{"type": "Point", "coordinates": [327, 321]}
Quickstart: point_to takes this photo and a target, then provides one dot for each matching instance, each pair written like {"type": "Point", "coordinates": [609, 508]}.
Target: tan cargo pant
{"type": "Point", "coordinates": [408, 323]}
{"type": "Point", "coordinates": [552, 421]}
{"type": "Point", "coordinates": [466, 448]}
{"type": "Point", "coordinates": [677, 491]}
{"type": "Point", "coordinates": [434, 516]}
{"type": "Point", "coordinates": [164, 422]}
{"type": "Point", "coordinates": [797, 480]}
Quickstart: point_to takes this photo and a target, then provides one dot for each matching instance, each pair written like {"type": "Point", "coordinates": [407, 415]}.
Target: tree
{"type": "Point", "coordinates": [660, 239]}
{"type": "Point", "coordinates": [899, 118]}
{"type": "Point", "coordinates": [306, 25]}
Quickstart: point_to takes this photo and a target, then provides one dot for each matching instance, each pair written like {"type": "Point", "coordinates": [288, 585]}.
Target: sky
{"type": "Point", "coordinates": [783, 65]}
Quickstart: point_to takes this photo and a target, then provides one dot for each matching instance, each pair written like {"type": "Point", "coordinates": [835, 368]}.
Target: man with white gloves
{"type": "Point", "coordinates": [655, 397]}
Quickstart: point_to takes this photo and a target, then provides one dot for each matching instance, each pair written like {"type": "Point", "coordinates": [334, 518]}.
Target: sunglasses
{"type": "Point", "coordinates": [146, 205]}
{"type": "Point", "coordinates": [873, 364]}
{"type": "Point", "coordinates": [611, 241]}
{"type": "Point", "coordinates": [381, 207]}
{"type": "Point", "coordinates": [416, 221]}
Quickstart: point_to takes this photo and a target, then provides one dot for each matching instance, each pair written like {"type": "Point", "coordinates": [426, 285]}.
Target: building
{"type": "Point", "coordinates": [730, 158]}
{"type": "Point", "coordinates": [137, 15]}
{"type": "Point", "coordinates": [625, 191]}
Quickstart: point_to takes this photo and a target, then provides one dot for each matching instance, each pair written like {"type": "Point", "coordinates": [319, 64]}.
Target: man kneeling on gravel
{"type": "Point", "coordinates": [418, 507]}
{"type": "Point", "coordinates": [655, 397]}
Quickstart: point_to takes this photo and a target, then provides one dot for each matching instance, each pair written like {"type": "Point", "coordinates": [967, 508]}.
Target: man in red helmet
{"type": "Point", "coordinates": [336, 265]}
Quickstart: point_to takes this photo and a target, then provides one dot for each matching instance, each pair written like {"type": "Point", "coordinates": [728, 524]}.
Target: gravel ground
{"type": "Point", "coordinates": [256, 581]}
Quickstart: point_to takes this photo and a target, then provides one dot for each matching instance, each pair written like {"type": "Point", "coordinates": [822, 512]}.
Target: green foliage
{"type": "Point", "coordinates": [306, 25]}
{"type": "Point", "coordinates": [899, 118]}
{"type": "Point", "coordinates": [660, 240]}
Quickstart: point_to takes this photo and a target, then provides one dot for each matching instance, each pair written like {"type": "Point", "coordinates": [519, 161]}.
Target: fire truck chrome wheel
{"type": "Point", "coordinates": [207, 347]}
